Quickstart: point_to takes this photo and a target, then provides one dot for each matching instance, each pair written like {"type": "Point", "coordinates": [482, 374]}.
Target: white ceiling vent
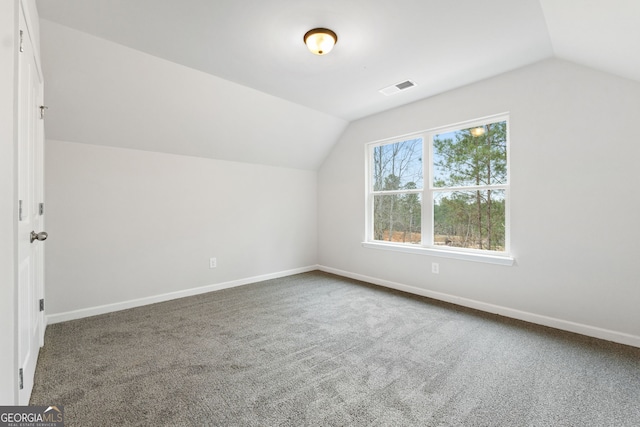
{"type": "Point", "coordinates": [398, 87]}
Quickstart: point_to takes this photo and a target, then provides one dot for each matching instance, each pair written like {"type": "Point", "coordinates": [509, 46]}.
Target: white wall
{"type": "Point", "coordinates": [8, 301]}
{"type": "Point", "coordinates": [127, 225]}
{"type": "Point", "coordinates": [574, 154]}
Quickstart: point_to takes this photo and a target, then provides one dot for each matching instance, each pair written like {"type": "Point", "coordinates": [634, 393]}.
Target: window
{"type": "Point", "coordinates": [445, 189]}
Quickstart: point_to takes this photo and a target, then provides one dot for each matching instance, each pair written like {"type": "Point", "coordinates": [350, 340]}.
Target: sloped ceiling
{"type": "Point", "coordinates": [103, 93]}
{"type": "Point", "coordinates": [278, 92]}
{"type": "Point", "coordinates": [602, 34]}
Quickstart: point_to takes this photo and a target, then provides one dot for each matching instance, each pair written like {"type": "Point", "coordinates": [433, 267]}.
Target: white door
{"type": "Point", "coordinates": [30, 325]}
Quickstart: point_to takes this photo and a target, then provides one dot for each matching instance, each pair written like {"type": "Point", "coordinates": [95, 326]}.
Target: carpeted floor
{"type": "Point", "coordinates": [317, 349]}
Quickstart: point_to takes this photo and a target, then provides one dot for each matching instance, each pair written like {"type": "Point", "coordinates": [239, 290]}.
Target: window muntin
{"type": "Point", "coordinates": [463, 207]}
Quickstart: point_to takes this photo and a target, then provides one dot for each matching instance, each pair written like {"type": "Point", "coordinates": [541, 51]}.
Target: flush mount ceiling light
{"type": "Point", "coordinates": [320, 41]}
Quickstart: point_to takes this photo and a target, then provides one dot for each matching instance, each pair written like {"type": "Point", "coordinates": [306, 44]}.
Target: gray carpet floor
{"type": "Point", "coordinates": [317, 349]}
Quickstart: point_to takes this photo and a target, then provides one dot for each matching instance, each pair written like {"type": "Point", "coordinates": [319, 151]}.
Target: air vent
{"type": "Point", "coordinates": [398, 87]}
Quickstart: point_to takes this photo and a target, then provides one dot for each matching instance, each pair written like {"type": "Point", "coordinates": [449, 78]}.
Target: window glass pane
{"type": "Point", "coordinates": [397, 217]}
{"type": "Point", "coordinates": [470, 219]}
{"type": "Point", "coordinates": [471, 156]}
{"type": "Point", "coordinates": [398, 166]}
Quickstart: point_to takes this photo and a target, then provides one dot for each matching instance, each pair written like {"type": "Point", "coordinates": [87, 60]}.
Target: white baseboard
{"type": "Point", "coordinates": [109, 308]}
{"type": "Point", "coordinates": [592, 331]}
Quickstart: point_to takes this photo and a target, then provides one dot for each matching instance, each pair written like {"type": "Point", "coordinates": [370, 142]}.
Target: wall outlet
{"type": "Point", "coordinates": [435, 268]}
{"type": "Point", "coordinates": [213, 263]}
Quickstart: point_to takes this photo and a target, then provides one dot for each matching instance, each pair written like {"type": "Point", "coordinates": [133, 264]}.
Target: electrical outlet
{"type": "Point", "coordinates": [435, 268]}
{"type": "Point", "coordinates": [213, 263]}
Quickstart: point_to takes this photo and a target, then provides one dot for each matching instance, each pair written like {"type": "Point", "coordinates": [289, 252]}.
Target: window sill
{"type": "Point", "coordinates": [443, 253]}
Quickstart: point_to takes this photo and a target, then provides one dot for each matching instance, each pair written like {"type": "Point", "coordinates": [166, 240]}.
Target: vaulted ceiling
{"type": "Point", "coordinates": [440, 45]}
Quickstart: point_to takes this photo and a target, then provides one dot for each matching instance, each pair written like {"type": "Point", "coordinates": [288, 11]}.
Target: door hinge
{"type": "Point", "coordinates": [41, 208]}
{"type": "Point", "coordinates": [21, 379]}
{"type": "Point", "coordinates": [19, 210]}
{"type": "Point", "coordinates": [42, 304]}
{"type": "Point", "coordinates": [42, 108]}
{"type": "Point", "coordinates": [21, 37]}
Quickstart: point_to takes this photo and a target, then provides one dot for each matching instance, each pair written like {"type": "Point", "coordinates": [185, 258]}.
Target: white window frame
{"type": "Point", "coordinates": [427, 246]}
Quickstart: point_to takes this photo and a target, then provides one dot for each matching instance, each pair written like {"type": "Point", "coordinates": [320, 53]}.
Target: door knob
{"type": "Point", "coordinates": [39, 236]}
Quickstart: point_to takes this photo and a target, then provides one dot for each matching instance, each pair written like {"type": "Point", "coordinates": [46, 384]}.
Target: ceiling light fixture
{"type": "Point", "coordinates": [320, 41]}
